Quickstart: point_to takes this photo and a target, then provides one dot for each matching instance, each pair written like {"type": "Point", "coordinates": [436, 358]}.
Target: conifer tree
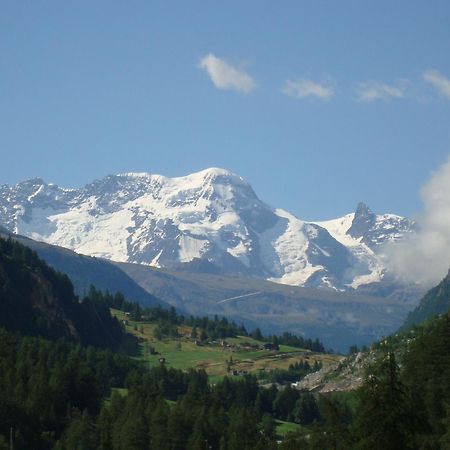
{"type": "Point", "coordinates": [385, 419]}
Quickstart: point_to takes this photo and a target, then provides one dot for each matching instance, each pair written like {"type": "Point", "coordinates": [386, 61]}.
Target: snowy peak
{"type": "Point", "coordinates": [374, 230]}
{"type": "Point", "coordinates": [364, 234]}
{"type": "Point", "coordinates": [212, 216]}
{"type": "Point", "coordinates": [201, 178]}
{"type": "Point", "coordinates": [215, 185]}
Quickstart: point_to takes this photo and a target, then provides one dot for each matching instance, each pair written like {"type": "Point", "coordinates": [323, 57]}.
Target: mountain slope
{"type": "Point", "coordinates": [435, 302]}
{"type": "Point", "coordinates": [213, 215]}
{"type": "Point", "coordinates": [423, 365]}
{"type": "Point", "coordinates": [364, 234]}
{"type": "Point", "coordinates": [84, 271]}
{"type": "Point", "coordinates": [339, 319]}
{"type": "Point", "coordinates": [37, 300]}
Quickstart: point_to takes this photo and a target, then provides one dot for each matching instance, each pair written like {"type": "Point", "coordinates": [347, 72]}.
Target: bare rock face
{"type": "Point", "coordinates": [376, 230]}
{"type": "Point", "coordinates": [345, 375]}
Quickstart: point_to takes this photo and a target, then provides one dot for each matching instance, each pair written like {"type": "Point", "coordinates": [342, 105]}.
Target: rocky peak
{"type": "Point", "coordinates": [362, 210]}
{"type": "Point", "coordinates": [363, 221]}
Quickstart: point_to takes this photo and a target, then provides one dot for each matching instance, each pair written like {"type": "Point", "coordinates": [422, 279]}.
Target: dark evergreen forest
{"type": "Point", "coordinates": [37, 300]}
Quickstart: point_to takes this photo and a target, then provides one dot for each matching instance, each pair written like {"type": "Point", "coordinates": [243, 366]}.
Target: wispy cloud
{"type": "Point", "coordinates": [439, 81]}
{"type": "Point", "coordinates": [373, 90]}
{"type": "Point", "coordinates": [226, 76]}
{"type": "Point", "coordinates": [304, 88]}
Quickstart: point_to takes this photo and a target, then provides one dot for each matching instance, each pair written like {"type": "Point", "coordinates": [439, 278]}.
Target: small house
{"type": "Point", "coordinates": [271, 346]}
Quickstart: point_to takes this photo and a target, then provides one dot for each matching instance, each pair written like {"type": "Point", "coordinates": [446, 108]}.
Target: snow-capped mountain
{"type": "Point", "coordinates": [364, 234]}
{"type": "Point", "coordinates": [212, 216]}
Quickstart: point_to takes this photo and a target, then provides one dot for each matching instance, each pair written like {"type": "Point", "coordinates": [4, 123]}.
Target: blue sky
{"type": "Point", "coordinates": [318, 104]}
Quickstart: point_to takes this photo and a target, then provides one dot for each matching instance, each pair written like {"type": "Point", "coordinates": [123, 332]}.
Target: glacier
{"type": "Point", "coordinates": [212, 216]}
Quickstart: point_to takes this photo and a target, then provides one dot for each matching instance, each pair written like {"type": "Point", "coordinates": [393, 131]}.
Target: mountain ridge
{"type": "Point", "coordinates": [213, 215]}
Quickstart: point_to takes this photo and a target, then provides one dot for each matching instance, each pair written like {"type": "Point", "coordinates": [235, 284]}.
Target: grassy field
{"type": "Point", "coordinates": [215, 359]}
{"type": "Point", "coordinates": [283, 428]}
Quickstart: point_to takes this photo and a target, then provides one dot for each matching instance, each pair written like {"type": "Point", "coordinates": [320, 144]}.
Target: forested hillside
{"type": "Point", "coordinates": [436, 301]}
{"type": "Point", "coordinates": [45, 386]}
{"type": "Point", "coordinates": [85, 270]}
{"type": "Point", "coordinates": [404, 401]}
{"type": "Point", "coordinates": [37, 300]}
{"type": "Point", "coordinates": [54, 397]}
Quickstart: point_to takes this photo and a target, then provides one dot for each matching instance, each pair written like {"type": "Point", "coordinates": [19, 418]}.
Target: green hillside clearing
{"type": "Point", "coordinates": [238, 355]}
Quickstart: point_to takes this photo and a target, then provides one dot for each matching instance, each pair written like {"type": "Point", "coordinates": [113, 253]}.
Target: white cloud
{"type": "Point", "coordinates": [307, 88]}
{"type": "Point", "coordinates": [439, 81]}
{"type": "Point", "coordinates": [425, 257]}
{"type": "Point", "coordinates": [372, 91]}
{"type": "Point", "coordinates": [225, 76]}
